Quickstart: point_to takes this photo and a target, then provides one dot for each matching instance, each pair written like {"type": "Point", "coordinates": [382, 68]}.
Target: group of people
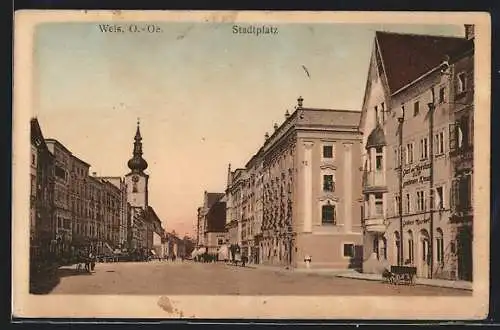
{"type": "Point", "coordinates": [88, 259]}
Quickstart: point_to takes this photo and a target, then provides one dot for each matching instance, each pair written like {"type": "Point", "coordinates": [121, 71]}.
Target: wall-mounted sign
{"type": "Point", "coordinates": [418, 222]}
{"type": "Point", "coordinates": [417, 174]}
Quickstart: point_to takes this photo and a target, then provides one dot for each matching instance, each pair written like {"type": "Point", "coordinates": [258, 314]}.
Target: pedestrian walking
{"type": "Point", "coordinates": [92, 261]}
{"type": "Point", "coordinates": [244, 260]}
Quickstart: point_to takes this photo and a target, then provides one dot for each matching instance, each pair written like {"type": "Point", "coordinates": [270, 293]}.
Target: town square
{"type": "Point", "coordinates": [212, 160]}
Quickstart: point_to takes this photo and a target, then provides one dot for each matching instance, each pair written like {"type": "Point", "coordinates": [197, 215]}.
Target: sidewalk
{"type": "Point", "coordinates": [353, 274]}
{"type": "Point", "coordinates": [312, 271]}
{"type": "Point", "coordinates": [462, 285]}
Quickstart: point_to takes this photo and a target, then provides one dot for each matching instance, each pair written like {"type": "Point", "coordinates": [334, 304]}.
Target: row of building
{"type": "Point", "coordinates": [388, 185]}
{"type": "Point", "coordinates": [71, 209]}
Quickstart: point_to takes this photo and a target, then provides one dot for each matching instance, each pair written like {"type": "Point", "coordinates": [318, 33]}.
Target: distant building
{"type": "Point", "coordinates": [236, 181]}
{"type": "Point", "coordinates": [211, 222]}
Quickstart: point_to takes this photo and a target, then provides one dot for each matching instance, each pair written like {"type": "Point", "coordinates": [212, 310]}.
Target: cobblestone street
{"type": "Point", "coordinates": [188, 278]}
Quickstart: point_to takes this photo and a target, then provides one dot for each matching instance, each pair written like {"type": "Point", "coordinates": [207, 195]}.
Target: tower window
{"type": "Point", "coordinates": [134, 187]}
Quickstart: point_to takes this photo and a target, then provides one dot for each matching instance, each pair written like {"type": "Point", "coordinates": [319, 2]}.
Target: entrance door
{"type": "Point", "coordinates": [464, 254]}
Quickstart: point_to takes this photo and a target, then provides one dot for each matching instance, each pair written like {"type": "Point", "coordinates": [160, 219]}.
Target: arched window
{"type": "Point", "coordinates": [411, 248]}
{"type": "Point", "coordinates": [424, 237]}
{"type": "Point", "coordinates": [439, 246]}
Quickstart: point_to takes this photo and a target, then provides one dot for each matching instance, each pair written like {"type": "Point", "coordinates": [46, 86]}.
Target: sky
{"type": "Point", "coordinates": [205, 96]}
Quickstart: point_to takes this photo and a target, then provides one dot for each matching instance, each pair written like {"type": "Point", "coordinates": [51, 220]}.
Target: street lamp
{"type": "Point", "coordinates": [431, 106]}
{"type": "Point", "coordinates": [401, 119]}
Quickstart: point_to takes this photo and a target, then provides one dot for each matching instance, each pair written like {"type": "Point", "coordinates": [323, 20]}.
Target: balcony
{"type": "Point", "coordinates": [375, 224]}
{"type": "Point", "coordinates": [374, 181]}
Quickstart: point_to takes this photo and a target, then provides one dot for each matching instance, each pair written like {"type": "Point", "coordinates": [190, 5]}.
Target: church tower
{"type": "Point", "coordinates": [137, 180]}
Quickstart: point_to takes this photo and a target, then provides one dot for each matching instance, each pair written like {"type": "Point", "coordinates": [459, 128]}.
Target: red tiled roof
{"type": "Point", "coordinates": [408, 56]}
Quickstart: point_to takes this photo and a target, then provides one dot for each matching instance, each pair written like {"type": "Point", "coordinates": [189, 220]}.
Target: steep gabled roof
{"type": "Point", "coordinates": [406, 57]}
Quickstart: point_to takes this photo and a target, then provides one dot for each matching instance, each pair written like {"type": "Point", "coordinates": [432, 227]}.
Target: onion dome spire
{"type": "Point", "coordinates": [137, 163]}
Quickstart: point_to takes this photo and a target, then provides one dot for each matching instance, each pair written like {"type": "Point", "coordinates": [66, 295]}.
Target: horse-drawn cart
{"type": "Point", "coordinates": [401, 275]}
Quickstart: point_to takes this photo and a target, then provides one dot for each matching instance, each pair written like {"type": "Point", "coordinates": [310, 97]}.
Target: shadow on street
{"type": "Point", "coordinates": [44, 282]}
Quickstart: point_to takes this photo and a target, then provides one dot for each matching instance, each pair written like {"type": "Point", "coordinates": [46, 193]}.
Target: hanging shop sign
{"type": "Point", "coordinates": [416, 174]}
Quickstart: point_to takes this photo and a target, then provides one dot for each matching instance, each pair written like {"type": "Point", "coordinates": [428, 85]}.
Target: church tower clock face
{"type": "Point", "coordinates": [135, 178]}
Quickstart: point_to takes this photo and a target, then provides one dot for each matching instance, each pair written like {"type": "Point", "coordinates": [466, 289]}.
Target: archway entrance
{"type": "Point", "coordinates": [423, 266]}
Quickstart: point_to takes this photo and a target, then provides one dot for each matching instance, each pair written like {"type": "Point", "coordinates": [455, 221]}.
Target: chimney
{"type": "Point", "coordinates": [275, 126]}
{"type": "Point", "coordinates": [469, 31]}
{"type": "Point", "coordinates": [287, 114]}
{"type": "Point", "coordinates": [266, 136]}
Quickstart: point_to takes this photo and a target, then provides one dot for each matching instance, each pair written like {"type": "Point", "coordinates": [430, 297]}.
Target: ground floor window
{"type": "Point", "coordinates": [349, 250]}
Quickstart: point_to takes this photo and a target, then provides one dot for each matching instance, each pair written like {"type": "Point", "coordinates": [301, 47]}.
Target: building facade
{"type": "Point", "coordinates": [311, 183]}
{"type": "Point", "coordinates": [407, 167]}
{"type": "Point", "coordinates": [63, 213]}
{"type": "Point", "coordinates": [461, 74]}
{"type": "Point", "coordinates": [42, 229]}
